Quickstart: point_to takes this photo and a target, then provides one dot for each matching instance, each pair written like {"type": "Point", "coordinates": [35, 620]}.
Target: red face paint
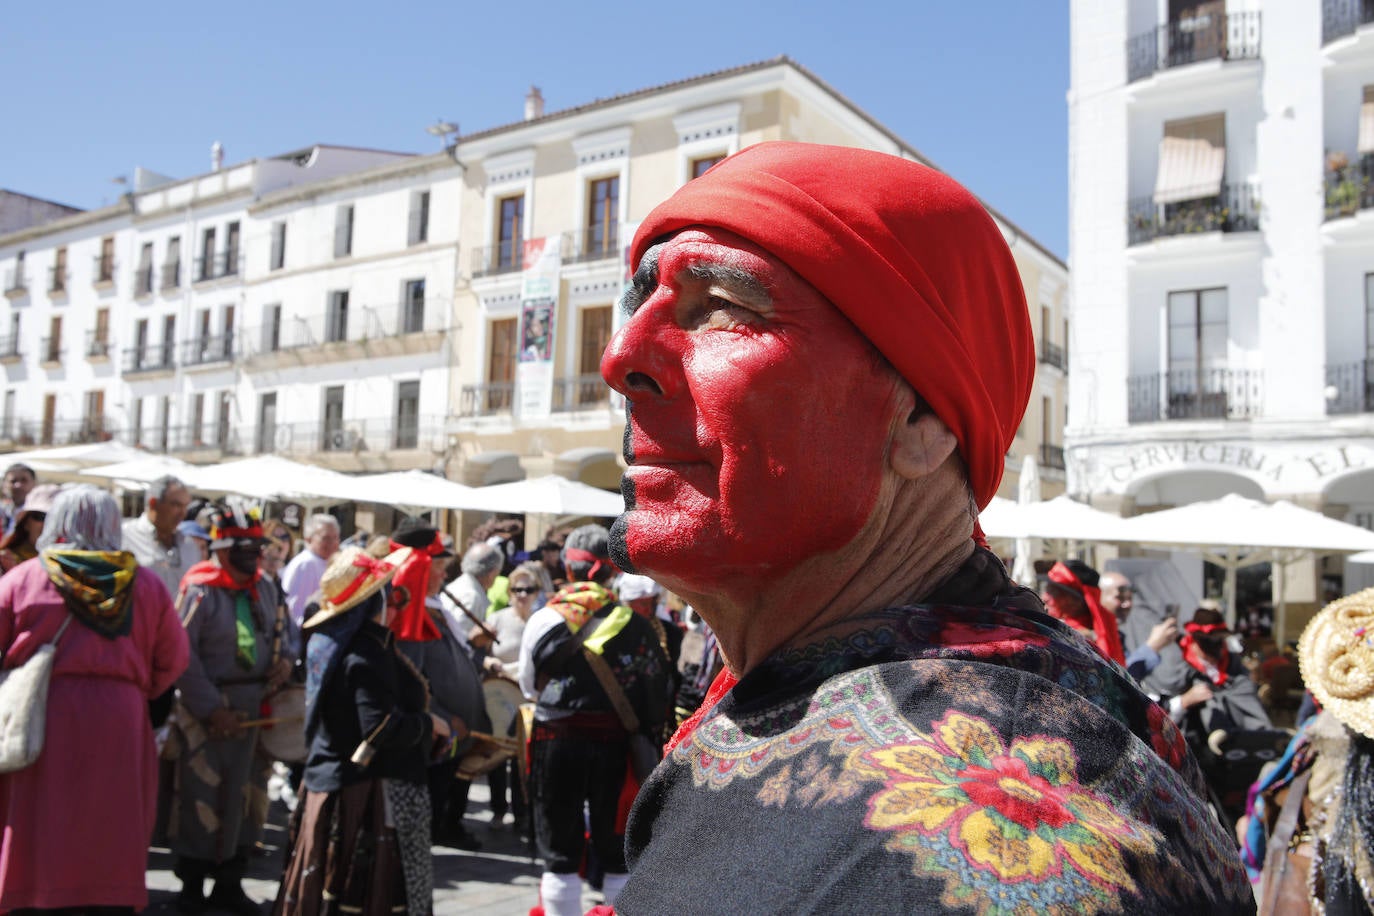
{"type": "Point", "coordinates": [759, 417]}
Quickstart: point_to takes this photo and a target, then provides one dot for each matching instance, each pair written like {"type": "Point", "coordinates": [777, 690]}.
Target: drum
{"type": "Point", "coordinates": [524, 730]}
{"type": "Point", "coordinates": [284, 739]}
{"type": "Point", "coordinates": [503, 698]}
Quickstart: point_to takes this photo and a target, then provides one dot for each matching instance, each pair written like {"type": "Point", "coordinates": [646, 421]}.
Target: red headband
{"type": "Point", "coordinates": [412, 622]}
{"type": "Point", "coordinates": [1206, 628]}
{"type": "Point", "coordinates": [907, 254]}
{"type": "Point", "coordinates": [1104, 623]}
{"type": "Point", "coordinates": [371, 569]}
{"type": "Point", "coordinates": [578, 555]}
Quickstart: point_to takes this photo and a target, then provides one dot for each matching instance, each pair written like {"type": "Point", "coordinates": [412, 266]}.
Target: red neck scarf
{"type": "Point", "coordinates": [413, 622]}
{"type": "Point", "coordinates": [1199, 660]}
{"type": "Point", "coordinates": [208, 572]}
{"type": "Point", "coordinates": [1104, 629]}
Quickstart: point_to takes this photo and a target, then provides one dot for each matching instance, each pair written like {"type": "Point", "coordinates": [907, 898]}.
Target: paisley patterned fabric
{"type": "Point", "coordinates": [969, 755]}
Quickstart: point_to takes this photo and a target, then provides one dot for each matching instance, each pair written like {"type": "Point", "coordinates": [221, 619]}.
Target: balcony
{"type": "Point", "coordinates": [1054, 355]}
{"type": "Point", "coordinates": [51, 351]}
{"type": "Point", "coordinates": [1235, 209]}
{"type": "Point", "coordinates": [496, 259]}
{"type": "Point", "coordinates": [97, 347]}
{"type": "Point", "coordinates": [103, 271]}
{"type": "Point", "coordinates": [9, 350]}
{"type": "Point", "coordinates": [1219, 394]}
{"type": "Point", "coordinates": [149, 359]}
{"type": "Point", "coordinates": [171, 275]}
{"type": "Point", "coordinates": [1344, 17]}
{"type": "Point", "coordinates": [353, 333]}
{"type": "Point", "coordinates": [592, 244]}
{"type": "Point", "coordinates": [490, 399]}
{"type": "Point", "coordinates": [16, 283]}
{"type": "Point", "coordinates": [143, 281]}
{"type": "Point", "coordinates": [350, 437]}
{"type": "Point", "coordinates": [205, 441]}
{"type": "Point", "coordinates": [221, 265]}
{"type": "Point", "coordinates": [206, 351]}
{"type": "Point", "coordinates": [581, 392]}
{"type": "Point", "coordinates": [1350, 388]}
{"type": "Point", "coordinates": [1189, 41]}
{"type": "Point", "coordinates": [1051, 456]}
{"type": "Point", "coordinates": [1349, 185]}
{"type": "Point", "coordinates": [57, 281]}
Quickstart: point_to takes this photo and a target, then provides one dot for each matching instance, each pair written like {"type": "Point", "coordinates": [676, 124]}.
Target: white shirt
{"type": "Point", "coordinates": [170, 563]}
{"type": "Point", "coordinates": [468, 590]}
{"type": "Point", "coordinates": [301, 579]}
{"type": "Point", "coordinates": [540, 623]}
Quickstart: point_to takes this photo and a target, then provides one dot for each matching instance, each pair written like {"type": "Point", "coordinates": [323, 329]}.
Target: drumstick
{"type": "Point", "coordinates": [470, 615]}
{"type": "Point", "coordinates": [277, 720]}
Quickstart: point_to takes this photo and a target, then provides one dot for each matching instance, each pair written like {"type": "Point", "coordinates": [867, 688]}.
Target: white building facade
{"type": "Point", "coordinates": [1222, 256]}
{"type": "Point", "coordinates": [299, 305]}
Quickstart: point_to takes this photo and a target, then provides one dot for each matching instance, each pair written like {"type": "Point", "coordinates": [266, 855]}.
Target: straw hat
{"type": "Point", "coordinates": [1336, 656]}
{"type": "Point", "coordinates": [352, 576]}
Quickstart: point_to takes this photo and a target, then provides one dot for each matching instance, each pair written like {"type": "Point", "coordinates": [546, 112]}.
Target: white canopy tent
{"type": "Point", "coordinates": [74, 458]}
{"type": "Point", "coordinates": [145, 469]}
{"type": "Point", "coordinates": [414, 492]}
{"type": "Point", "coordinates": [550, 495]}
{"type": "Point", "coordinates": [1234, 532]}
{"type": "Point", "coordinates": [1058, 519]}
{"type": "Point", "coordinates": [1027, 548]}
{"type": "Point", "coordinates": [273, 477]}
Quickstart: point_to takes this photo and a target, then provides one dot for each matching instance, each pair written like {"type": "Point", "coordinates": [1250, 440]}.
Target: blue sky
{"type": "Point", "coordinates": [96, 89]}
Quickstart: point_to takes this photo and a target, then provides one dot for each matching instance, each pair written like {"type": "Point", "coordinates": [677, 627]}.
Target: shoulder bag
{"type": "Point", "coordinates": [24, 706]}
{"type": "Point", "coordinates": [644, 753]}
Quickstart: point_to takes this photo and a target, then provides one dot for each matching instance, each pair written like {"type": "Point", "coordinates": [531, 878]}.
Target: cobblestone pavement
{"type": "Point", "coordinates": [501, 879]}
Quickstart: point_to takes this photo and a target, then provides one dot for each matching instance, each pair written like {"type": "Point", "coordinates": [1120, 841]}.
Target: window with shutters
{"type": "Point", "coordinates": [271, 328]}
{"type": "Point", "coordinates": [419, 218]}
{"type": "Point", "coordinates": [407, 415]}
{"type": "Point", "coordinates": [343, 231]}
{"type": "Point", "coordinates": [501, 364]}
{"type": "Point", "coordinates": [171, 264]}
{"type": "Point", "coordinates": [206, 268]}
{"type": "Point", "coordinates": [413, 309]}
{"type": "Point", "coordinates": [143, 276]}
{"type": "Point", "coordinates": [603, 214]}
{"type": "Point", "coordinates": [336, 319]}
{"type": "Point", "coordinates": [510, 232]}
{"type": "Point", "coordinates": [231, 251]}
{"type": "Point", "coordinates": [595, 335]}
{"type": "Point", "coordinates": [333, 425]}
{"type": "Point", "coordinates": [278, 259]}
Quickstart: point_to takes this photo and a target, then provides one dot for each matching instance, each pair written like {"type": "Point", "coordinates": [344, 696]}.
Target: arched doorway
{"type": "Point", "coordinates": [1350, 499]}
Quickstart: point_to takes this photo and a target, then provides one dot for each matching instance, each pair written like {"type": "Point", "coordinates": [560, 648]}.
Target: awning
{"type": "Point", "coordinates": [1366, 144]}
{"type": "Point", "coordinates": [1189, 169]}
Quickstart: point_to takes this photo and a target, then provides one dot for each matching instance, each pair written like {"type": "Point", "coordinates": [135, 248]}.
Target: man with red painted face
{"type": "Point", "coordinates": [826, 354]}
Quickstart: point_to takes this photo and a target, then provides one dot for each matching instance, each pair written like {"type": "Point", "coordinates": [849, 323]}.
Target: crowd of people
{"type": "Point", "coordinates": [849, 706]}
{"type": "Point", "coordinates": [203, 629]}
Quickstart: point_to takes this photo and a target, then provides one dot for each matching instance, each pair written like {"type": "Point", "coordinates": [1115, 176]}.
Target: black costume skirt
{"type": "Point", "coordinates": [345, 859]}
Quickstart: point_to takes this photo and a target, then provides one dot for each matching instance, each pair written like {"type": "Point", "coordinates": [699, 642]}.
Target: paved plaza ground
{"type": "Point", "coordinates": [501, 879]}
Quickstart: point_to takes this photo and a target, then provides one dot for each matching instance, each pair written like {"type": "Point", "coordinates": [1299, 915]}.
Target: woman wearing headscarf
{"type": "Point", "coordinates": [75, 825]}
{"type": "Point", "coordinates": [360, 835]}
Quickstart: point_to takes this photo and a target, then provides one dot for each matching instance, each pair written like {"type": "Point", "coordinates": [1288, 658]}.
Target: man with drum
{"type": "Point", "coordinates": [240, 654]}
{"type": "Point", "coordinates": [424, 635]}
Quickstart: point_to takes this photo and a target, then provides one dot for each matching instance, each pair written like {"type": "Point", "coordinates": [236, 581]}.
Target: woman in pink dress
{"type": "Point", "coordinates": [76, 823]}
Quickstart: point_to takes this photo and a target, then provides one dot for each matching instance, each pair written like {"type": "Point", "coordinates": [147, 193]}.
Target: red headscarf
{"type": "Point", "coordinates": [412, 622]}
{"type": "Point", "coordinates": [907, 254]}
{"type": "Point", "coordinates": [1105, 632]}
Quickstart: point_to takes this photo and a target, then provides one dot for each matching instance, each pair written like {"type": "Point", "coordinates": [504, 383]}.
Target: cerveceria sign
{"type": "Point", "coordinates": [1277, 466]}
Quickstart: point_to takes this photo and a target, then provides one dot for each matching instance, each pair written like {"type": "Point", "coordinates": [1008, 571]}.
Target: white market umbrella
{"type": "Point", "coordinates": [76, 457]}
{"type": "Point", "coordinates": [1027, 548]}
{"type": "Point", "coordinates": [1058, 519]}
{"type": "Point", "coordinates": [145, 469]}
{"type": "Point", "coordinates": [415, 492]}
{"type": "Point", "coordinates": [1234, 532]}
{"type": "Point", "coordinates": [550, 495]}
{"type": "Point", "coordinates": [274, 477]}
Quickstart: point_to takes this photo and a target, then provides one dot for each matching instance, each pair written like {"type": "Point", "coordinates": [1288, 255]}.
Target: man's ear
{"type": "Point", "coordinates": [920, 445]}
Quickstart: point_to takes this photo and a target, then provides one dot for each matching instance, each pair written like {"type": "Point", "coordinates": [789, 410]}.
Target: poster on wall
{"type": "Point", "coordinates": [538, 309]}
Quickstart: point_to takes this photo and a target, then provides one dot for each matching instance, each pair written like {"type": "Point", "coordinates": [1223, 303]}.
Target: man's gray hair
{"type": "Point", "coordinates": [316, 522]}
{"type": "Point", "coordinates": [481, 560]}
{"type": "Point", "coordinates": [596, 540]}
{"type": "Point", "coordinates": [158, 488]}
{"type": "Point", "coordinates": [83, 517]}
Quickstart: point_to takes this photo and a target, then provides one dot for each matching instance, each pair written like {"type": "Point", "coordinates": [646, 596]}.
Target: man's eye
{"type": "Point", "coordinates": [722, 314]}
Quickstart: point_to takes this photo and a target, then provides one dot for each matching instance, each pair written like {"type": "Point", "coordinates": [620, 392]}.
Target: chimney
{"type": "Point", "coordinates": [534, 104]}
{"type": "Point", "coordinates": [216, 156]}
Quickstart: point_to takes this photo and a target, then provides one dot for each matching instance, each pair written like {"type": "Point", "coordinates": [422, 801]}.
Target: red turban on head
{"type": "Point", "coordinates": [907, 254]}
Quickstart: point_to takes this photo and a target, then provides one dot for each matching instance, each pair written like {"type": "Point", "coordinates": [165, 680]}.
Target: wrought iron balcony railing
{"type": "Point", "coordinates": [16, 283]}
{"type": "Point", "coordinates": [222, 264]}
{"type": "Point", "coordinates": [51, 350]}
{"type": "Point", "coordinates": [9, 347]}
{"type": "Point", "coordinates": [1051, 456]}
{"type": "Point", "coordinates": [103, 270]}
{"type": "Point", "coordinates": [1349, 185]}
{"type": "Point", "coordinates": [504, 258]}
{"type": "Point", "coordinates": [351, 325]}
{"type": "Point", "coordinates": [487, 399]}
{"type": "Point", "coordinates": [1235, 209]}
{"type": "Point", "coordinates": [151, 358]}
{"type": "Point", "coordinates": [1054, 355]}
{"type": "Point", "coordinates": [377, 434]}
{"type": "Point", "coordinates": [171, 275]}
{"type": "Point", "coordinates": [1344, 17]}
{"type": "Point", "coordinates": [592, 244]}
{"type": "Point", "coordinates": [97, 345]}
{"type": "Point", "coordinates": [1209, 36]}
{"type": "Point", "coordinates": [1217, 394]}
{"type": "Point", "coordinates": [580, 392]}
{"type": "Point", "coordinates": [143, 281]}
{"type": "Point", "coordinates": [1350, 387]}
{"type": "Point", "coordinates": [57, 280]}
{"type": "Point", "coordinates": [216, 348]}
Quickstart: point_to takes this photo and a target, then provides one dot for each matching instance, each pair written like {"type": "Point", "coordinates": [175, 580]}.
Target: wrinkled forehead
{"type": "Point", "coordinates": [709, 253]}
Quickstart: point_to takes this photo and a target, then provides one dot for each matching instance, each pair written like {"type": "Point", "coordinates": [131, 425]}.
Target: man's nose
{"type": "Point", "coordinates": [637, 362]}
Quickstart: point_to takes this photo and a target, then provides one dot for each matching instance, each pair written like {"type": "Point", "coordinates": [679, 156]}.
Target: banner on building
{"type": "Point", "coordinates": [538, 311]}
